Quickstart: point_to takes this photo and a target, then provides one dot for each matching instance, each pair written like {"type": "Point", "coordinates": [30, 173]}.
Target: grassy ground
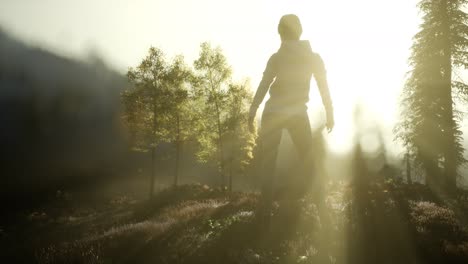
{"type": "Point", "coordinates": [384, 222]}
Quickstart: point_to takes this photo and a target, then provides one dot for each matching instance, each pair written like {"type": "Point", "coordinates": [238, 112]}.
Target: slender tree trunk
{"type": "Point", "coordinates": [178, 149]}
{"type": "Point", "coordinates": [230, 175]}
{"type": "Point", "coordinates": [219, 132]}
{"type": "Point", "coordinates": [220, 145]}
{"type": "Point", "coordinates": [153, 171]}
{"type": "Point", "coordinates": [408, 169]}
{"type": "Point", "coordinates": [153, 147]}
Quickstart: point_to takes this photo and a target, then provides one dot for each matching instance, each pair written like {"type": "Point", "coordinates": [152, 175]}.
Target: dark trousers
{"type": "Point", "coordinates": [298, 127]}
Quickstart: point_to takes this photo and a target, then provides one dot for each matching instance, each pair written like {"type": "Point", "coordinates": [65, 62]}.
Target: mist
{"type": "Point", "coordinates": [60, 118]}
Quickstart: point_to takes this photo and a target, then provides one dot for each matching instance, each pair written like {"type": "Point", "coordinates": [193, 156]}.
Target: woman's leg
{"type": "Point", "coordinates": [301, 134]}
{"type": "Point", "coordinates": [270, 136]}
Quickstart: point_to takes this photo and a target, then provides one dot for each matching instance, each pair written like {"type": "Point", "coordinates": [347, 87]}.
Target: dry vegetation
{"type": "Point", "coordinates": [385, 222]}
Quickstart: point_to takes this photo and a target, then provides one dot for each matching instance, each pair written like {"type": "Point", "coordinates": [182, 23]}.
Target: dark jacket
{"type": "Point", "coordinates": [287, 76]}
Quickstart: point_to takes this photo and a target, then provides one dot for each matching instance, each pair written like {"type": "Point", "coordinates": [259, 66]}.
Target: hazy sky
{"type": "Point", "coordinates": [365, 43]}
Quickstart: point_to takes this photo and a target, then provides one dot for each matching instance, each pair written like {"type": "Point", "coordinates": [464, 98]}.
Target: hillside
{"type": "Point", "coordinates": [387, 222]}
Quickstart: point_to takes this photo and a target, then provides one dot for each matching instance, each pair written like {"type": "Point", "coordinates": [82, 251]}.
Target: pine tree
{"type": "Point", "coordinates": [429, 128]}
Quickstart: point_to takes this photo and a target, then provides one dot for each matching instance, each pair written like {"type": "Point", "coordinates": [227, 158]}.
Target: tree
{"type": "Point", "coordinates": [154, 105]}
{"type": "Point", "coordinates": [429, 126]}
{"type": "Point", "coordinates": [143, 110]}
{"type": "Point", "coordinates": [239, 140]}
{"type": "Point", "coordinates": [212, 83]}
{"type": "Point", "coordinates": [179, 114]}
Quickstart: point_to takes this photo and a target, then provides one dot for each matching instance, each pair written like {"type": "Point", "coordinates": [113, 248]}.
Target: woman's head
{"type": "Point", "coordinates": [290, 27]}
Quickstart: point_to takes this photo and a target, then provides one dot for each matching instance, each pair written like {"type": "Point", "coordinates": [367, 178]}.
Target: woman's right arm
{"type": "Point", "coordinates": [268, 77]}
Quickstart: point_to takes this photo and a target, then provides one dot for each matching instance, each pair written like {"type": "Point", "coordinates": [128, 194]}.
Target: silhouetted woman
{"type": "Point", "coordinates": [287, 76]}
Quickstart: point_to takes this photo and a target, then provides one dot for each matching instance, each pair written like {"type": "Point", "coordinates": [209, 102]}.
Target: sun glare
{"type": "Point", "coordinates": [366, 61]}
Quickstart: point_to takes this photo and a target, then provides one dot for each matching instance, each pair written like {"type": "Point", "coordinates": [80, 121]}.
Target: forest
{"type": "Point", "coordinates": [159, 164]}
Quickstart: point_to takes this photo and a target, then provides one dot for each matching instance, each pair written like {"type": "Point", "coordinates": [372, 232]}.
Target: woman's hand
{"type": "Point", "coordinates": [330, 121]}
